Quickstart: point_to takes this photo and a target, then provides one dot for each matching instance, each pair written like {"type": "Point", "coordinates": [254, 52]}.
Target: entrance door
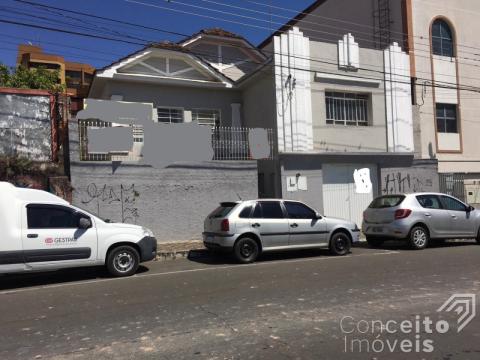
{"type": "Point", "coordinates": [340, 197]}
{"type": "Point", "coordinates": [51, 237]}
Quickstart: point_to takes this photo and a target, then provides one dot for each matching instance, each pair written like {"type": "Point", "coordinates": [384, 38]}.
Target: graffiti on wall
{"type": "Point", "coordinates": [105, 196]}
{"type": "Point", "coordinates": [399, 182]}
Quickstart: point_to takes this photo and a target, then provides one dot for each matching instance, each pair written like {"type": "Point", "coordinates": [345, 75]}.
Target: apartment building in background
{"type": "Point", "coordinates": [77, 77]}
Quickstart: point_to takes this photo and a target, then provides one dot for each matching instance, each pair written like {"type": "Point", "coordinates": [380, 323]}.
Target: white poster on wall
{"type": "Point", "coordinates": [363, 182]}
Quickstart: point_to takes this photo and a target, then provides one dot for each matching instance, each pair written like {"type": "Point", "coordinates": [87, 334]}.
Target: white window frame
{"type": "Point", "coordinates": [353, 111]}
{"type": "Point", "coordinates": [170, 108]}
{"type": "Point", "coordinates": [216, 123]}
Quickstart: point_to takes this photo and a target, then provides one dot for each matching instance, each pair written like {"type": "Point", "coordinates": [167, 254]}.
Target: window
{"type": "Point", "coordinates": [245, 213]}
{"type": "Point", "coordinates": [170, 115]}
{"type": "Point", "coordinates": [222, 211]}
{"type": "Point", "coordinates": [447, 118]}
{"type": "Point", "coordinates": [73, 78]}
{"type": "Point", "coordinates": [299, 211]}
{"type": "Point", "coordinates": [51, 217]}
{"type": "Point", "coordinates": [442, 39]}
{"type": "Point", "coordinates": [87, 78]}
{"type": "Point", "coordinates": [271, 210]}
{"type": "Point", "coordinates": [206, 117]}
{"type": "Point", "coordinates": [257, 213]}
{"type": "Point", "coordinates": [347, 109]}
{"type": "Point", "coordinates": [429, 201]}
{"type": "Point", "coordinates": [386, 201]}
{"type": "Point", "coordinates": [453, 204]}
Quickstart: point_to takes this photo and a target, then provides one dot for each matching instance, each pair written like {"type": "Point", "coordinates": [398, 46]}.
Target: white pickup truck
{"type": "Point", "coordinates": [40, 231]}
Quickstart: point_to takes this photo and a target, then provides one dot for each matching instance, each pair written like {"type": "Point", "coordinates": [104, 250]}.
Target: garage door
{"type": "Point", "coordinates": [340, 196]}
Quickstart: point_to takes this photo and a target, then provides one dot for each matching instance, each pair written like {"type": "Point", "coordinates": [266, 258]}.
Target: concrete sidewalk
{"type": "Point", "coordinates": [178, 249]}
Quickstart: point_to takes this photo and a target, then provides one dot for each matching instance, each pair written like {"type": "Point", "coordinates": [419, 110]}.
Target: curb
{"type": "Point", "coordinates": [198, 252]}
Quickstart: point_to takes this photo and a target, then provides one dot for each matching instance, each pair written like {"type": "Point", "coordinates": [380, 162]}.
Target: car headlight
{"type": "Point", "coordinates": [147, 232]}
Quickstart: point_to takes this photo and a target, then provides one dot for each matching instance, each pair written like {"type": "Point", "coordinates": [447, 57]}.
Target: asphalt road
{"type": "Point", "coordinates": [286, 306]}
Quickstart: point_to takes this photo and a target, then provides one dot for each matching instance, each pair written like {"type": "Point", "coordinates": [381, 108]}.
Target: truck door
{"type": "Point", "coordinates": [52, 236]}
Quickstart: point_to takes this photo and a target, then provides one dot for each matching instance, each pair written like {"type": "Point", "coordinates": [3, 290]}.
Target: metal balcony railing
{"type": "Point", "coordinates": [232, 143]}
{"type": "Point", "coordinates": [228, 143]}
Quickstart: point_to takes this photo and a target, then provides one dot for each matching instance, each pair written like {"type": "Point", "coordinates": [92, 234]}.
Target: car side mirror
{"type": "Point", "coordinates": [470, 208]}
{"type": "Point", "coordinates": [318, 216]}
{"type": "Point", "coordinates": [84, 223]}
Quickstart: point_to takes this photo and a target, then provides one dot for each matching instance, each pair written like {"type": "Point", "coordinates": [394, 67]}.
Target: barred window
{"type": "Point", "coordinates": [447, 118]}
{"type": "Point", "coordinates": [170, 115]}
{"type": "Point", "coordinates": [442, 39]}
{"type": "Point", "coordinates": [210, 117]}
{"type": "Point", "coordinates": [347, 109]}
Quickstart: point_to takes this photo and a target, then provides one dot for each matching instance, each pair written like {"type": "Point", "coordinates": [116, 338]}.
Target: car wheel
{"type": "Point", "coordinates": [478, 237]}
{"type": "Point", "coordinates": [123, 261]}
{"type": "Point", "coordinates": [246, 250]}
{"type": "Point", "coordinates": [374, 242]}
{"type": "Point", "coordinates": [419, 238]}
{"type": "Point", "coordinates": [340, 244]}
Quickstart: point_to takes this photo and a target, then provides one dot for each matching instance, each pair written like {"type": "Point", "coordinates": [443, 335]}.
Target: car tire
{"type": "Point", "coordinates": [374, 242]}
{"type": "Point", "coordinates": [478, 237]}
{"type": "Point", "coordinates": [340, 244]}
{"type": "Point", "coordinates": [419, 238]}
{"type": "Point", "coordinates": [123, 261]}
{"type": "Point", "coordinates": [246, 250]}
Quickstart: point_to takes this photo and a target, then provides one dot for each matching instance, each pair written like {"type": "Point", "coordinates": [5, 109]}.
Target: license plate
{"type": "Point", "coordinates": [377, 229]}
{"type": "Point", "coordinates": [209, 239]}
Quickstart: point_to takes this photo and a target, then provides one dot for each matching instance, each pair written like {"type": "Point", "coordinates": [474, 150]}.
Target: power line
{"type": "Point", "coordinates": [102, 18]}
{"type": "Point", "coordinates": [53, 44]}
{"type": "Point", "coordinates": [185, 35]}
{"type": "Point", "coordinates": [263, 27]}
{"type": "Point", "coordinates": [434, 84]}
{"type": "Point", "coordinates": [278, 23]}
{"type": "Point", "coordinates": [346, 21]}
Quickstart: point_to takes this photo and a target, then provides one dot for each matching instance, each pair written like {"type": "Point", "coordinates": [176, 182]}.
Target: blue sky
{"type": "Point", "coordinates": [254, 25]}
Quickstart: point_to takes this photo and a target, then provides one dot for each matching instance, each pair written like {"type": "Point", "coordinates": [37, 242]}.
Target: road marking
{"type": "Point", "coordinates": [237, 266]}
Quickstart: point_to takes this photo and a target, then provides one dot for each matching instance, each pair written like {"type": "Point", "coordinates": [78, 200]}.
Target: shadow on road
{"type": "Point", "coordinates": [208, 258]}
{"type": "Point", "coordinates": [19, 281]}
{"type": "Point", "coordinates": [403, 245]}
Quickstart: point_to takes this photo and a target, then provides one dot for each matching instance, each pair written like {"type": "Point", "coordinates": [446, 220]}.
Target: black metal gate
{"type": "Point", "coordinates": [453, 184]}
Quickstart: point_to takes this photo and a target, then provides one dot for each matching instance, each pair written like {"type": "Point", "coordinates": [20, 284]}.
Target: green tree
{"type": "Point", "coordinates": [38, 78]}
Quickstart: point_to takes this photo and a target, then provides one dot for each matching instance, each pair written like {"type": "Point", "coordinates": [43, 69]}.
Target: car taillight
{"type": "Point", "coordinates": [225, 226]}
{"type": "Point", "coordinates": [402, 213]}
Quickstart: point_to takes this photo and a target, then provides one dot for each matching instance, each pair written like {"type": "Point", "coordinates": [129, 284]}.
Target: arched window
{"type": "Point", "coordinates": [442, 39]}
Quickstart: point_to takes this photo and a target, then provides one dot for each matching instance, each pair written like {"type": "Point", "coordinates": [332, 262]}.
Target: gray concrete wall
{"type": "Point", "coordinates": [339, 138]}
{"type": "Point", "coordinates": [393, 175]}
{"type": "Point", "coordinates": [422, 176]}
{"type": "Point", "coordinates": [25, 126]}
{"type": "Point", "coordinates": [259, 104]}
{"type": "Point", "coordinates": [187, 98]}
{"type": "Point", "coordinates": [172, 201]}
{"type": "Point", "coordinates": [313, 171]}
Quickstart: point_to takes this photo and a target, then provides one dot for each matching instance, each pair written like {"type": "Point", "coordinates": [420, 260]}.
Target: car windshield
{"type": "Point", "coordinates": [386, 201]}
{"type": "Point", "coordinates": [222, 211]}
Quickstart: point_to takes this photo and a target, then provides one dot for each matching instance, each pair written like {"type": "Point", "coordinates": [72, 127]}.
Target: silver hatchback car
{"type": "Point", "coordinates": [248, 228]}
{"type": "Point", "coordinates": [419, 218]}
